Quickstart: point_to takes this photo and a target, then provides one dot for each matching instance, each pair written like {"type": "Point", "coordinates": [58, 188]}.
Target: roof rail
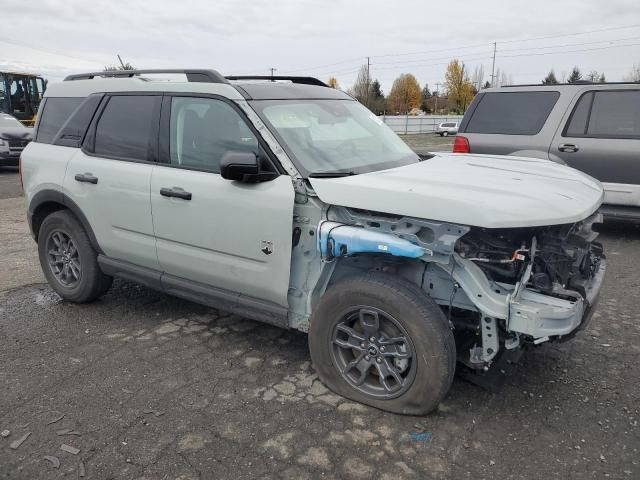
{"type": "Point", "coordinates": [202, 76]}
{"type": "Point", "coordinates": [300, 80]}
{"type": "Point", "coordinates": [579, 82]}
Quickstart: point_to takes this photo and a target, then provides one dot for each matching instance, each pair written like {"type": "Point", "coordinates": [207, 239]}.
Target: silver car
{"type": "Point", "coordinates": [447, 128]}
{"type": "Point", "coordinates": [14, 137]}
{"type": "Point", "coordinates": [594, 128]}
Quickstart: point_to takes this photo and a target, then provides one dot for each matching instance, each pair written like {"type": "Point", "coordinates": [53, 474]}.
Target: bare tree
{"type": "Point", "coordinates": [478, 77]}
{"type": "Point", "coordinates": [112, 68]}
{"type": "Point", "coordinates": [361, 90]}
{"type": "Point", "coordinates": [633, 75]}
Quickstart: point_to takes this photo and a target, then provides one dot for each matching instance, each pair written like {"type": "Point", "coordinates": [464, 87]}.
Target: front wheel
{"type": "Point", "coordinates": [445, 134]}
{"type": "Point", "coordinates": [380, 340]}
{"type": "Point", "coordinates": [68, 260]}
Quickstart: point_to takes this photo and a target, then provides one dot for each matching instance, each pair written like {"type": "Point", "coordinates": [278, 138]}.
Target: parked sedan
{"type": "Point", "coordinates": [447, 128]}
{"type": "Point", "coordinates": [13, 138]}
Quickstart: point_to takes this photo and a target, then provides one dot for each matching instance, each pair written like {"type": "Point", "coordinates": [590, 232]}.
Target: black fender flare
{"type": "Point", "coordinates": [55, 196]}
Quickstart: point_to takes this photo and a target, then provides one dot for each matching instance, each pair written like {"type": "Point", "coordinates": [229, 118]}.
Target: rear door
{"type": "Point", "coordinates": [600, 136]}
{"type": "Point", "coordinates": [232, 236]}
{"type": "Point", "coordinates": [110, 177]}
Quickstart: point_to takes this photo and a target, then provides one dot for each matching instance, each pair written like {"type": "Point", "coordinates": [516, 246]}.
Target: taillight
{"type": "Point", "coordinates": [461, 145]}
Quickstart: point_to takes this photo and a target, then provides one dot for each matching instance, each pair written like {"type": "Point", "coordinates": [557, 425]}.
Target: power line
{"type": "Point", "coordinates": [322, 66]}
{"type": "Point", "coordinates": [570, 51]}
{"type": "Point", "coordinates": [569, 44]}
{"type": "Point", "coordinates": [626, 27]}
{"type": "Point", "coordinates": [570, 34]}
{"type": "Point", "coordinates": [50, 52]}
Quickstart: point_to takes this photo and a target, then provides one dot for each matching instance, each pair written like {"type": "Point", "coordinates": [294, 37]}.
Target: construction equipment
{"type": "Point", "coordinates": [21, 94]}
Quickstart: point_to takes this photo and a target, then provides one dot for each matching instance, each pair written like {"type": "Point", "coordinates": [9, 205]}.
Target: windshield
{"type": "Point", "coordinates": [7, 121]}
{"type": "Point", "coordinates": [324, 136]}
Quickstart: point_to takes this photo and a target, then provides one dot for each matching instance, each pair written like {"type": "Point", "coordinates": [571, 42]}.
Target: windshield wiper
{"type": "Point", "coordinates": [334, 174]}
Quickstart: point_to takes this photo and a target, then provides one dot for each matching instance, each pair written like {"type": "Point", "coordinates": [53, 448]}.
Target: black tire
{"type": "Point", "coordinates": [92, 283]}
{"type": "Point", "coordinates": [445, 134]}
{"type": "Point", "coordinates": [434, 351]}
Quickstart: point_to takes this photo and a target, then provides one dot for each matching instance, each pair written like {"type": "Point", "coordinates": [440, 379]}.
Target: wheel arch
{"type": "Point", "coordinates": [45, 202]}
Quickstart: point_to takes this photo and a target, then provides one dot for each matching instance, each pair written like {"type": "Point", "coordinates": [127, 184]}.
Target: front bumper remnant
{"type": "Point", "coordinates": [543, 316]}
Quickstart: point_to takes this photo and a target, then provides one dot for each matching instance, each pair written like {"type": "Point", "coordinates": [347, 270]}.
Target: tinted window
{"type": "Point", "coordinates": [56, 112]}
{"type": "Point", "coordinates": [126, 127]}
{"type": "Point", "coordinates": [74, 129]}
{"type": "Point", "coordinates": [578, 123]}
{"type": "Point", "coordinates": [615, 114]}
{"type": "Point", "coordinates": [512, 113]}
{"type": "Point", "coordinates": [203, 130]}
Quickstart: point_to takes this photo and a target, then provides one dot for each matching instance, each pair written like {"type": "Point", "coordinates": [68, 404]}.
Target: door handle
{"type": "Point", "coordinates": [175, 192]}
{"type": "Point", "coordinates": [568, 147]}
{"type": "Point", "coordinates": [86, 178]}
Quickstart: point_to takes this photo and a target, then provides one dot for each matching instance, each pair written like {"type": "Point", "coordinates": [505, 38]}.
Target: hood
{"type": "Point", "coordinates": [16, 133]}
{"type": "Point", "coordinates": [476, 190]}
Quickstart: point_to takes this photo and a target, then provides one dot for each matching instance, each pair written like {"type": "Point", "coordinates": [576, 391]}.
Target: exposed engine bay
{"type": "Point", "coordinates": [562, 257]}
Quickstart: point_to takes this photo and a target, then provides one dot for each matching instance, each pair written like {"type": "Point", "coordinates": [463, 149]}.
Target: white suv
{"type": "Point", "coordinates": [288, 202]}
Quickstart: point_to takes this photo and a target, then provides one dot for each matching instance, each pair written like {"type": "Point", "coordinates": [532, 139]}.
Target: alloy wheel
{"type": "Point", "coordinates": [373, 352]}
{"type": "Point", "coordinates": [64, 259]}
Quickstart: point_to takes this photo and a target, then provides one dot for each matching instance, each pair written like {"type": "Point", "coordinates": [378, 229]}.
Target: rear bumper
{"type": "Point", "coordinates": [620, 213]}
{"type": "Point", "coordinates": [542, 316]}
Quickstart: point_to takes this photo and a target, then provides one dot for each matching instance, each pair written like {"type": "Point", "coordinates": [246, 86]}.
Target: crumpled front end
{"type": "Point", "coordinates": [528, 285]}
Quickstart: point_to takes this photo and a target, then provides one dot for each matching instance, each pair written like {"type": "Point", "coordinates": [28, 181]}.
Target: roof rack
{"type": "Point", "coordinates": [579, 82]}
{"type": "Point", "coordinates": [300, 80]}
{"type": "Point", "coordinates": [202, 76]}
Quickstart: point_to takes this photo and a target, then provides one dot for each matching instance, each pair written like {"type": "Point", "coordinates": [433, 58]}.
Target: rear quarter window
{"type": "Point", "coordinates": [57, 111]}
{"type": "Point", "coordinates": [512, 113]}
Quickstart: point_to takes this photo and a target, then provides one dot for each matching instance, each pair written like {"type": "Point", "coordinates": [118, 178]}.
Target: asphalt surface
{"type": "Point", "coordinates": [147, 386]}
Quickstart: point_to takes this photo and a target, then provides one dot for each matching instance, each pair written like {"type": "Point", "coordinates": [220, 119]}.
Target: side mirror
{"type": "Point", "coordinates": [237, 165]}
{"type": "Point", "coordinates": [243, 167]}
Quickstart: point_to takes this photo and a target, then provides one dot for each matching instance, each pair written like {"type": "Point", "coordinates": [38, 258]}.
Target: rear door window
{"type": "Point", "coordinates": [615, 114]}
{"type": "Point", "coordinates": [512, 113]}
{"type": "Point", "coordinates": [127, 127]}
{"type": "Point", "coordinates": [606, 114]}
{"type": "Point", "coordinates": [56, 112]}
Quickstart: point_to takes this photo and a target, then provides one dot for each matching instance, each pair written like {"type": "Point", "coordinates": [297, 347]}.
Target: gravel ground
{"type": "Point", "coordinates": [149, 386]}
{"type": "Point", "coordinates": [428, 142]}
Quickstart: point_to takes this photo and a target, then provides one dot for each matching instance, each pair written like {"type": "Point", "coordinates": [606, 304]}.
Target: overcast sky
{"type": "Point", "coordinates": [323, 38]}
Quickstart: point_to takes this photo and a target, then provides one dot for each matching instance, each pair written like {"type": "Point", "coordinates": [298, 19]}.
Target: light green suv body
{"type": "Point", "coordinates": [288, 202]}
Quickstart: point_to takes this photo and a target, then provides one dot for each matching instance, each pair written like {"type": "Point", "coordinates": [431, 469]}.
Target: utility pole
{"type": "Point", "coordinates": [121, 62]}
{"type": "Point", "coordinates": [493, 66]}
{"type": "Point", "coordinates": [368, 82]}
{"type": "Point", "coordinates": [272, 71]}
{"type": "Point", "coordinates": [437, 95]}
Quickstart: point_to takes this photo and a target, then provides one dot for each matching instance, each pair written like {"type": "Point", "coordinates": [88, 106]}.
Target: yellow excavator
{"type": "Point", "coordinates": [21, 94]}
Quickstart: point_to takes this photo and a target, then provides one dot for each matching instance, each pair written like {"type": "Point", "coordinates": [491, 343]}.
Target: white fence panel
{"type": "Point", "coordinates": [409, 125]}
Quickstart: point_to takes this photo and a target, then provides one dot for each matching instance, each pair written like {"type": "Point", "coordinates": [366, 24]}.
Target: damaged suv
{"type": "Point", "coordinates": [288, 202]}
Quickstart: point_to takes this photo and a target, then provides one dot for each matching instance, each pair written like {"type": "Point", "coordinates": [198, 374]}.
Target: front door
{"type": "Point", "coordinates": [601, 137]}
{"type": "Point", "coordinates": [109, 179]}
{"type": "Point", "coordinates": [232, 236]}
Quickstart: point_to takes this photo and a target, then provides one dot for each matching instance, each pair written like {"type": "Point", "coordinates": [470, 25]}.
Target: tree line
{"type": "Point", "coordinates": [407, 97]}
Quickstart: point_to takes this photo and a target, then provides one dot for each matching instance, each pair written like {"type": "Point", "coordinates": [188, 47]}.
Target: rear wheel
{"type": "Point", "coordinates": [68, 259]}
{"type": "Point", "coordinates": [380, 340]}
{"type": "Point", "coordinates": [445, 134]}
